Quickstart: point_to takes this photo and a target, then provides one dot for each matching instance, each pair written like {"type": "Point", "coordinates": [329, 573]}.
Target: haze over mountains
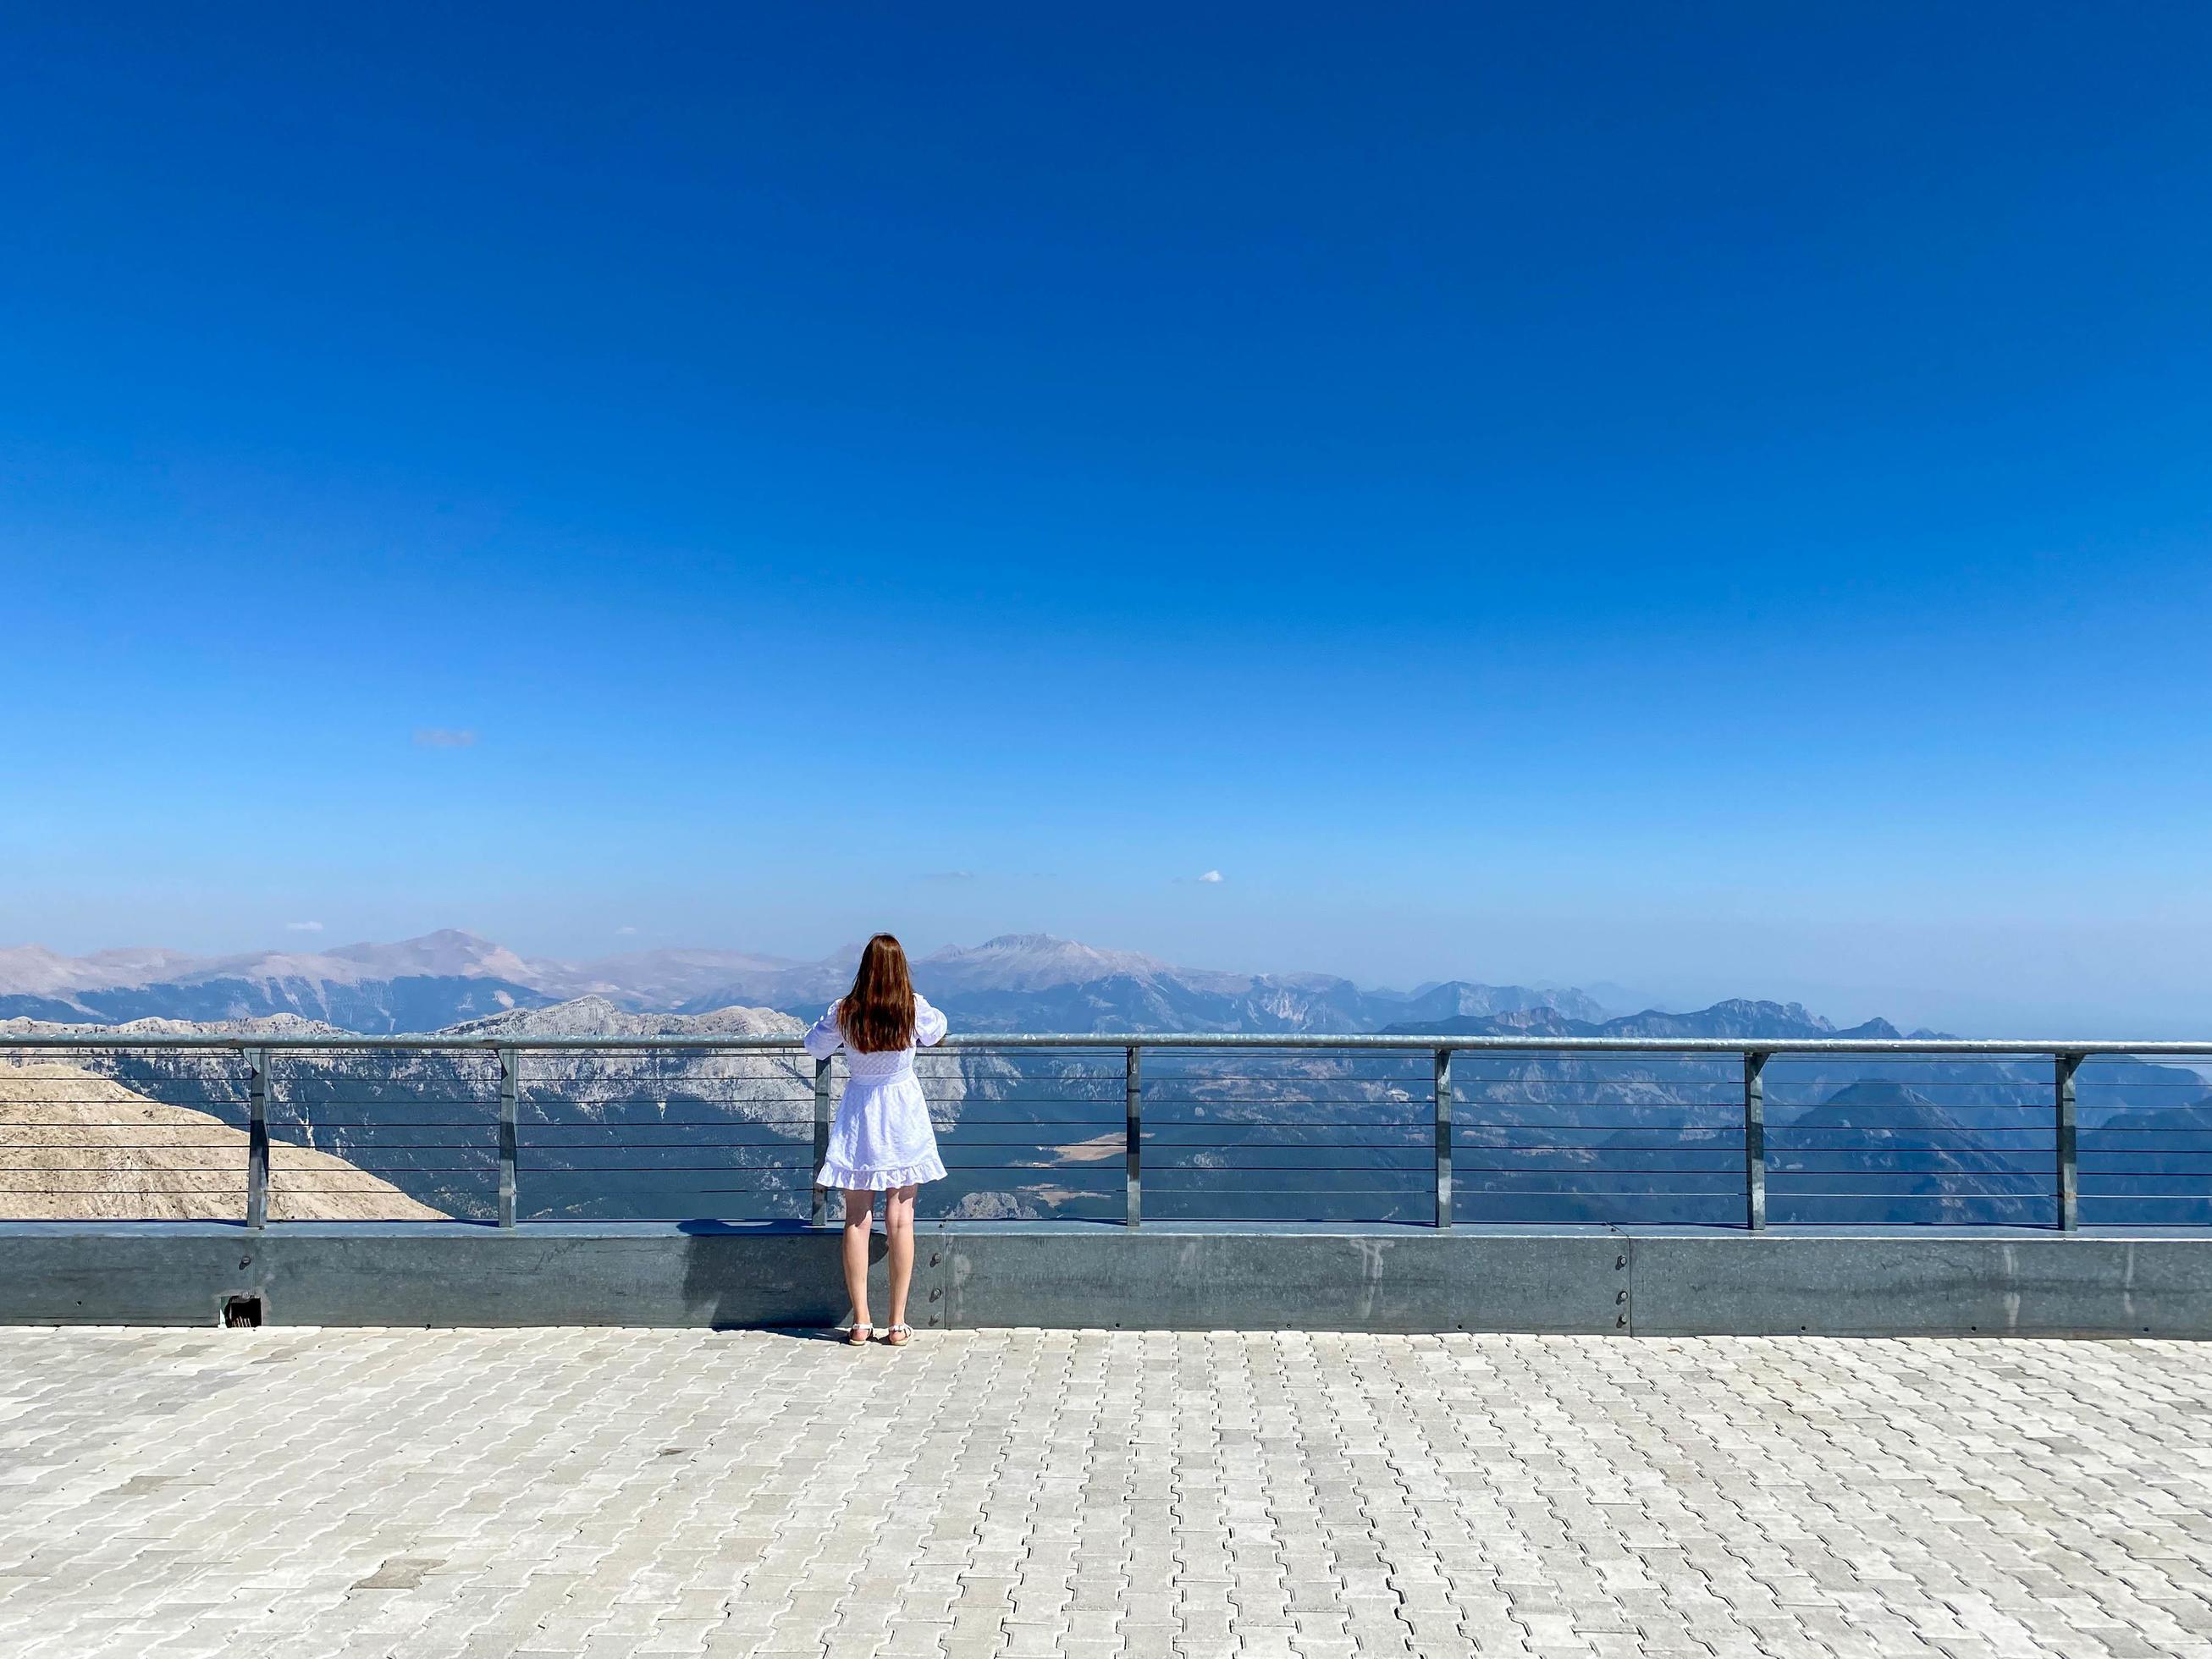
{"type": "Point", "coordinates": [1014, 983]}
{"type": "Point", "coordinates": [1024, 982]}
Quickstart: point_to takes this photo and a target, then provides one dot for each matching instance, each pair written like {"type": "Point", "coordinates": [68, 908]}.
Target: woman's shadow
{"type": "Point", "coordinates": [780, 1276]}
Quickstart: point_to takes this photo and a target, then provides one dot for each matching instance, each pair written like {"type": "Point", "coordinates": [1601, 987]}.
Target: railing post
{"type": "Point", "coordinates": [821, 1210]}
{"type": "Point", "coordinates": [256, 1138]}
{"type": "Point", "coordinates": [1755, 1140]}
{"type": "Point", "coordinates": [1444, 1138]}
{"type": "Point", "coordinates": [1133, 1090]}
{"type": "Point", "coordinates": [508, 1089]}
{"type": "Point", "coordinates": [2069, 1193]}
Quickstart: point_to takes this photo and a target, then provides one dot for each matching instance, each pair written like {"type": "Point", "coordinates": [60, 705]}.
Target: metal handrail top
{"type": "Point", "coordinates": [776, 1043]}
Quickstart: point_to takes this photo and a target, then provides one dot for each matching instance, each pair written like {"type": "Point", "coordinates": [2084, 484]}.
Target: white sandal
{"type": "Point", "coordinates": [858, 1335]}
{"type": "Point", "coordinates": [898, 1335]}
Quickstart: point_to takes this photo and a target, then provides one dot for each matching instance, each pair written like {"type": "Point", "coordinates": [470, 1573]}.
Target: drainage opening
{"type": "Point", "coordinates": [241, 1310]}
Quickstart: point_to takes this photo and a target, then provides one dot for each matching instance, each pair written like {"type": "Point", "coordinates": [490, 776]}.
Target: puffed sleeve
{"type": "Point", "coordinates": [928, 1024]}
{"type": "Point", "coordinates": [826, 1038]}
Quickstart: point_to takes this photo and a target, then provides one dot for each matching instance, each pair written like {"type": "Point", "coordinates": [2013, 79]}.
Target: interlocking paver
{"type": "Point", "coordinates": [1055, 1495]}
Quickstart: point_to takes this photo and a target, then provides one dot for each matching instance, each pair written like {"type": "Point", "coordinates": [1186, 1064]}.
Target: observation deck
{"type": "Point", "coordinates": [526, 1353]}
{"type": "Point", "coordinates": [1077, 1495]}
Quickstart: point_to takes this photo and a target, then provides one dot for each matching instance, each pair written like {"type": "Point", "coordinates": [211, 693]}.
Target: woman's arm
{"type": "Point", "coordinates": [929, 1025]}
{"type": "Point", "coordinates": [825, 1038]}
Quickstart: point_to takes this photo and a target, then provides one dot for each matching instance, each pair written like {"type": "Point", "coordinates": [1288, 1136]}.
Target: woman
{"type": "Point", "coordinates": [881, 1141]}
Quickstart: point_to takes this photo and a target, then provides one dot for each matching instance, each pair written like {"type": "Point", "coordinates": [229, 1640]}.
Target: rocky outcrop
{"type": "Point", "coordinates": [76, 1146]}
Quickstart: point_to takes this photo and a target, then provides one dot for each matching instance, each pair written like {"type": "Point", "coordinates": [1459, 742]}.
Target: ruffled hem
{"type": "Point", "coordinates": [847, 1179]}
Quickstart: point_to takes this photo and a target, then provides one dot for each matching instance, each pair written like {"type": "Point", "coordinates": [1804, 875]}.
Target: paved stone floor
{"type": "Point", "coordinates": [1026, 1492]}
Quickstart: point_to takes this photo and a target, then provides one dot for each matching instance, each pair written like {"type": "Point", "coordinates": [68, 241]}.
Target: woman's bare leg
{"type": "Point", "coordinates": [898, 1229]}
{"type": "Point", "coordinates": [860, 1214]}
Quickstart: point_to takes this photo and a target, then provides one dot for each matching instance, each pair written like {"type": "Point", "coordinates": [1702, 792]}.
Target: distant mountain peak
{"type": "Point", "coordinates": [438, 938]}
{"type": "Point", "coordinates": [1034, 962]}
{"type": "Point", "coordinates": [1012, 981]}
{"type": "Point", "coordinates": [1790, 1013]}
{"type": "Point", "coordinates": [595, 1016]}
{"type": "Point", "coordinates": [446, 951]}
{"type": "Point", "coordinates": [1737, 1018]}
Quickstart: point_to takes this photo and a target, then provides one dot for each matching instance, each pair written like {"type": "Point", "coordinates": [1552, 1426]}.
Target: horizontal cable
{"type": "Point", "coordinates": [228, 1196]}
{"type": "Point", "coordinates": [480, 1124]}
{"type": "Point", "coordinates": [1735, 1176]}
{"type": "Point", "coordinates": [1168, 1128]}
{"type": "Point", "coordinates": [1795, 1194]}
{"type": "Point", "coordinates": [2151, 1198]}
{"type": "Point", "coordinates": [658, 1169]}
{"type": "Point", "coordinates": [2088, 1133]}
{"type": "Point", "coordinates": [105, 1144]}
{"type": "Point", "coordinates": [297, 1103]}
{"type": "Point", "coordinates": [230, 1167]}
{"type": "Point", "coordinates": [536, 1127]}
{"type": "Point", "coordinates": [540, 1137]}
{"type": "Point", "coordinates": [279, 1174]}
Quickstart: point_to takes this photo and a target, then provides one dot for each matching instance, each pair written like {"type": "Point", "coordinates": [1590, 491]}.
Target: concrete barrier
{"type": "Point", "coordinates": [1961, 1283]}
{"type": "Point", "coordinates": [1595, 1280]}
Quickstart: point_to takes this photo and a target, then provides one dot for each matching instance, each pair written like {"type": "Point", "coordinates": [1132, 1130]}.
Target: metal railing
{"type": "Point", "coordinates": [1427, 1129]}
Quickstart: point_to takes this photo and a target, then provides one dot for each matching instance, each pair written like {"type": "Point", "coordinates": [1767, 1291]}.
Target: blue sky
{"type": "Point", "coordinates": [1713, 499]}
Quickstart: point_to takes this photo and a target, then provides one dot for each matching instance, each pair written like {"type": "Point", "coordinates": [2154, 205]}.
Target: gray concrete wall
{"type": "Point", "coordinates": [1652, 1282]}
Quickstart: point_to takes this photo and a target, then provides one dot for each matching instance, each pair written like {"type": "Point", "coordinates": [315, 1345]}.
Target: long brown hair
{"type": "Point", "coordinates": [878, 1013]}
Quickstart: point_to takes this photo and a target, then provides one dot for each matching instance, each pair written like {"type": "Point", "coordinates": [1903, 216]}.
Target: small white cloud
{"type": "Point", "coordinates": [303, 926]}
{"type": "Point", "coordinates": [1211, 875]}
{"type": "Point", "coordinates": [625, 930]}
{"type": "Point", "coordinates": [442, 736]}
{"type": "Point", "coordinates": [949, 875]}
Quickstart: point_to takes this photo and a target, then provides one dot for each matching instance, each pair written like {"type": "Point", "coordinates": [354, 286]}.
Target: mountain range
{"type": "Point", "coordinates": [1017, 981]}
{"type": "Point", "coordinates": [1735, 1017]}
{"type": "Point", "coordinates": [634, 1133]}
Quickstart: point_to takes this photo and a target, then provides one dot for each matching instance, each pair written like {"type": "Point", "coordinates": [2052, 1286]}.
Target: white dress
{"type": "Point", "coordinates": [881, 1137]}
